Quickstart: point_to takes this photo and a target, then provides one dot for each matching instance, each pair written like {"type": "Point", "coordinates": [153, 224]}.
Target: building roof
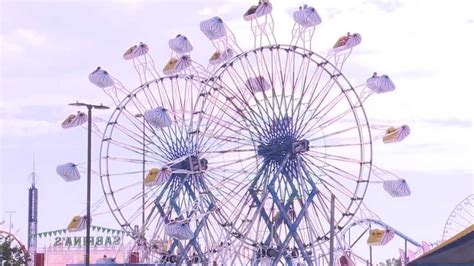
{"type": "Point", "coordinates": [458, 250]}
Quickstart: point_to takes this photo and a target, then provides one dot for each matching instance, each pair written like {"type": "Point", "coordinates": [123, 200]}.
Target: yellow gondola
{"type": "Point", "coordinates": [170, 67]}
{"type": "Point", "coordinates": [77, 223]}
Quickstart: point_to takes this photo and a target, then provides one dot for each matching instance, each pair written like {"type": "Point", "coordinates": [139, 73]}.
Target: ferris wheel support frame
{"type": "Point", "coordinates": [177, 244]}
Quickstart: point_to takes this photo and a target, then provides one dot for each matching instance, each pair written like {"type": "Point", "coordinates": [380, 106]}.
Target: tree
{"type": "Point", "coordinates": [391, 262]}
{"type": "Point", "coordinates": [11, 254]}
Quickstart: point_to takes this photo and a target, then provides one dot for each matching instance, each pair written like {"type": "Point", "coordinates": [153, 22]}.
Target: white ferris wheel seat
{"type": "Point", "coordinates": [68, 172]}
{"type": "Point", "coordinates": [179, 230]}
{"type": "Point", "coordinates": [397, 188]}
{"type": "Point", "coordinates": [213, 28]}
{"type": "Point", "coordinates": [136, 51]}
{"type": "Point", "coordinates": [257, 84]}
{"type": "Point", "coordinates": [158, 117]}
{"type": "Point", "coordinates": [262, 9]}
{"type": "Point", "coordinates": [380, 84]}
{"type": "Point", "coordinates": [101, 78]}
{"type": "Point", "coordinates": [180, 44]}
{"type": "Point", "coordinates": [307, 16]}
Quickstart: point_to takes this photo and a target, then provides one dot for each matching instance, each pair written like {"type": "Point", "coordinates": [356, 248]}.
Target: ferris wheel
{"type": "Point", "coordinates": [461, 217]}
{"type": "Point", "coordinates": [237, 161]}
{"type": "Point", "coordinates": [302, 137]}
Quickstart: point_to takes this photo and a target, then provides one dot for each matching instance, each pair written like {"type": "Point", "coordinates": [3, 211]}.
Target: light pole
{"type": "Point", "coordinates": [143, 168]}
{"type": "Point", "coordinates": [143, 175]}
{"type": "Point", "coordinates": [89, 142]}
{"type": "Point", "coordinates": [10, 224]}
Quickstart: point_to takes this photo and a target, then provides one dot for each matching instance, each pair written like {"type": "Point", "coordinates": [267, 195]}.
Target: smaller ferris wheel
{"type": "Point", "coordinates": [460, 218]}
{"type": "Point", "coordinates": [15, 245]}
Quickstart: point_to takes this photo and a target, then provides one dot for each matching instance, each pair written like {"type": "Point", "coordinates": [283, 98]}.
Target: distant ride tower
{"type": "Point", "coordinates": [32, 216]}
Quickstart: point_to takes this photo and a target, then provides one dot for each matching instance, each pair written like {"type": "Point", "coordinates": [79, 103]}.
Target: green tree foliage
{"type": "Point", "coordinates": [10, 253]}
{"type": "Point", "coordinates": [390, 262]}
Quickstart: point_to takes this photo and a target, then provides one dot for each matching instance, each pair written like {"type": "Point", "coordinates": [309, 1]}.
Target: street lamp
{"type": "Point", "coordinates": [89, 138]}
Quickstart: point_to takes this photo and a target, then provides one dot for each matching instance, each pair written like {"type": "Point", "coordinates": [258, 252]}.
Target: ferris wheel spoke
{"type": "Point", "coordinates": [219, 140]}
{"type": "Point", "coordinates": [155, 155]}
{"type": "Point", "coordinates": [322, 125]}
{"type": "Point", "coordinates": [346, 145]}
{"type": "Point", "coordinates": [339, 204]}
{"type": "Point", "coordinates": [328, 156]}
{"type": "Point", "coordinates": [177, 108]}
{"type": "Point", "coordinates": [227, 110]}
{"type": "Point", "coordinates": [467, 220]}
{"type": "Point", "coordinates": [162, 142]}
{"type": "Point", "coordinates": [149, 97]}
{"type": "Point", "coordinates": [249, 72]}
{"type": "Point", "coordinates": [241, 120]}
{"type": "Point", "coordinates": [300, 81]}
{"type": "Point", "coordinates": [240, 148]}
{"type": "Point", "coordinates": [148, 148]}
{"type": "Point", "coordinates": [325, 166]}
{"type": "Point", "coordinates": [318, 117]}
{"type": "Point", "coordinates": [269, 72]}
{"type": "Point", "coordinates": [224, 164]}
{"type": "Point", "coordinates": [335, 134]}
{"type": "Point", "coordinates": [149, 209]}
{"type": "Point", "coordinates": [315, 106]}
{"type": "Point", "coordinates": [134, 214]}
{"type": "Point", "coordinates": [308, 86]}
{"type": "Point", "coordinates": [222, 139]}
{"type": "Point", "coordinates": [226, 120]}
{"type": "Point", "coordinates": [326, 171]}
{"type": "Point", "coordinates": [226, 181]}
{"type": "Point", "coordinates": [314, 101]}
{"type": "Point", "coordinates": [272, 105]}
{"type": "Point", "coordinates": [233, 188]}
{"type": "Point", "coordinates": [123, 188]}
{"type": "Point", "coordinates": [255, 115]}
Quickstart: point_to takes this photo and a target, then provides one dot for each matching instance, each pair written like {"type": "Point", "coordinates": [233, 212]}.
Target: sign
{"type": "Point", "coordinates": [79, 241]}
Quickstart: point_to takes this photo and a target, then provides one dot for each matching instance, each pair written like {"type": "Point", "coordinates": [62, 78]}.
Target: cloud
{"type": "Point", "coordinates": [19, 106]}
{"type": "Point", "coordinates": [216, 11]}
{"type": "Point", "coordinates": [22, 37]}
{"type": "Point", "coordinates": [16, 42]}
{"type": "Point", "coordinates": [29, 37]}
{"type": "Point", "coordinates": [207, 11]}
{"type": "Point", "coordinates": [449, 122]}
{"type": "Point", "coordinates": [386, 5]}
{"type": "Point", "coordinates": [26, 127]}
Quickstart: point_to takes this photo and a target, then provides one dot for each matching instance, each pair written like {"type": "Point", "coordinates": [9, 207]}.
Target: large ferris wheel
{"type": "Point", "coordinates": [236, 160]}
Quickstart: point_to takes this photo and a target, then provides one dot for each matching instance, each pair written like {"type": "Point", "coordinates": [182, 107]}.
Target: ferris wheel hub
{"type": "Point", "coordinates": [278, 149]}
{"type": "Point", "coordinates": [192, 163]}
{"type": "Point", "coordinates": [280, 141]}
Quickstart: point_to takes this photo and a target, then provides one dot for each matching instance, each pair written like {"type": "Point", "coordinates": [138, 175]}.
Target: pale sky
{"type": "Point", "coordinates": [48, 48]}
